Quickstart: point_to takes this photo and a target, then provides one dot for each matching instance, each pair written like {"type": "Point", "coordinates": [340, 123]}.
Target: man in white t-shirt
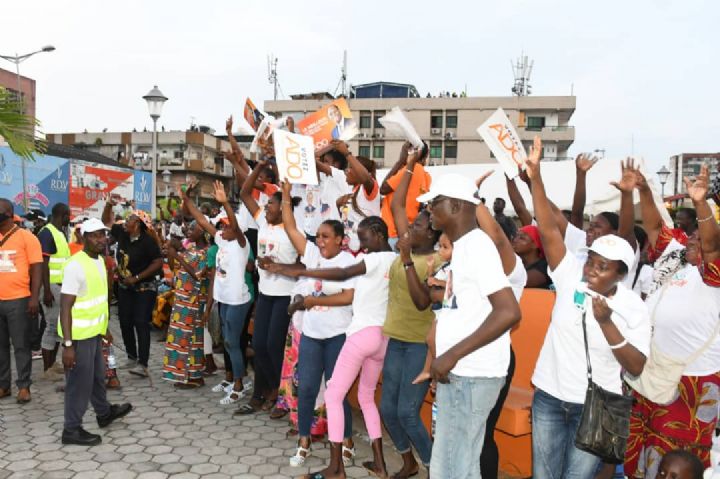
{"type": "Point", "coordinates": [472, 338]}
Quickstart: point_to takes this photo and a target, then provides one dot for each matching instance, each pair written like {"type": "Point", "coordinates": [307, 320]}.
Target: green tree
{"type": "Point", "coordinates": [18, 129]}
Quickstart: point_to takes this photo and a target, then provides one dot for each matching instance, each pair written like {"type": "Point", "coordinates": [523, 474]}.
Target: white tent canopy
{"type": "Point", "coordinates": [559, 178]}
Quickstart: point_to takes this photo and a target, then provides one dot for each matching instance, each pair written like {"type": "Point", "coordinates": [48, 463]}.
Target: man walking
{"type": "Point", "coordinates": [56, 252]}
{"type": "Point", "coordinates": [472, 338]}
{"type": "Point", "coordinates": [20, 277]}
{"type": "Point", "coordinates": [84, 314]}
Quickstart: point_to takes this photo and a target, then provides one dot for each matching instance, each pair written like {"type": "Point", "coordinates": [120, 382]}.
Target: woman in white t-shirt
{"type": "Point", "coordinates": [364, 201]}
{"type": "Point", "coordinates": [684, 299]}
{"type": "Point", "coordinates": [618, 334]}
{"type": "Point", "coordinates": [328, 313]}
{"type": "Point", "coordinates": [364, 350]}
{"type": "Point", "coordinates": [271, 311]}
{"type": "Point", "coordinates": [229, 288]}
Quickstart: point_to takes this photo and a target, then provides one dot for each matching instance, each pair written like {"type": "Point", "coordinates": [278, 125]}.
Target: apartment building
{"type": "Point", "coordinates": [182, 155]}
{"type": "Point", "coordinates": [9, 80]}
{"type": "Point", "coordinates": [448, 124]}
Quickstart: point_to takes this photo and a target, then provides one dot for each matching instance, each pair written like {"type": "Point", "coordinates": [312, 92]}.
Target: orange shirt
{"type": "Point", "coordinates": [21, 250]}
{"type": "Point", "coordinates": [419, 184]}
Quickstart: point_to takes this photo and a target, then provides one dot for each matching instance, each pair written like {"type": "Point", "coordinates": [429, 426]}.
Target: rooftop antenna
{"type": "Point", "coordinates": [521, 71]}
{"type": "Point", "coordinates": [272, 74]}
{"type": "Point", "coordinates": [342, 84]}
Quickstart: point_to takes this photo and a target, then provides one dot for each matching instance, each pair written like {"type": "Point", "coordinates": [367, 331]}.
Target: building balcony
{"type": "Point", "coordinates": [547, 133]}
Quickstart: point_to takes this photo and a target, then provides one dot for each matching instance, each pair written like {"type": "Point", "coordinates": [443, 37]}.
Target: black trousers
{"type": "Point", "coordinates": [85, 383]}
{"type": "Point", "coordinates": [489, 457]}
{"type": "Point", "coordinates": [135, 313]}
{"type": "Point", "coordinates": [269, 335]}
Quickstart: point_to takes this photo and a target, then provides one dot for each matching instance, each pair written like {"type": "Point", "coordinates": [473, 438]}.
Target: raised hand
{"type": "Point", "coordinates": [533, 160]}
{"type": "Point", "coordinates": [285, 186]}
{"type": "Point", "coordinates": [219, 192]}
{"type": "Point", "coordinates": [584, 162]}
{"type": "Point", "coordinates": [484, 177]}
{"type": "Point", "coordinates": [341, 147]}
{"type": "Point", "coordinates": [640, 181]}
{"type": "Point", "coordinates": [698, 186]}
{"type": "Point", "coordinates": [430, 261]}
{"type": "Point", "coordinates": [628, 178]}
{"type": "Point", "coordinates": [229, 125]}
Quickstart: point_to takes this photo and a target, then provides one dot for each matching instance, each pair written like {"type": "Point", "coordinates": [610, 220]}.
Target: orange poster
{"type": "Point", "coordinates": [252, 115]}
{"type": "Point", "coordinates": [332, 122]}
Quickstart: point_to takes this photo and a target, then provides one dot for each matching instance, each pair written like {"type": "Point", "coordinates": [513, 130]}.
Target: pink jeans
{"type": "Point", "coordinates": [363, 352]}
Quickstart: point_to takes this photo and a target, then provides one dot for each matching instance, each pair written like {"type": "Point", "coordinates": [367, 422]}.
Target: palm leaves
{"type": "Point", "coordinates": [18, 129]}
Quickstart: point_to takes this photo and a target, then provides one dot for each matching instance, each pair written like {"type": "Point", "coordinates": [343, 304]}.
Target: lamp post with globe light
{"type": "Point", "coordinates": [663, 174]}
{"type": "Point", "coordinates": [17, 60]}
{"type": "Point", "coordinates": [155, 101]}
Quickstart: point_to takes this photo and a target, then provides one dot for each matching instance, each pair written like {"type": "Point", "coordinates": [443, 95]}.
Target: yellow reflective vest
{"type": "Point", "coordinates": [61, 255]}
{"type": "Point", "coordinates": [91, 312]}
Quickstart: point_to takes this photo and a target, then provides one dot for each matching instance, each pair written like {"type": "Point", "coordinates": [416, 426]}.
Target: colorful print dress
{"type": "Point", "coordinates": [184, 359]}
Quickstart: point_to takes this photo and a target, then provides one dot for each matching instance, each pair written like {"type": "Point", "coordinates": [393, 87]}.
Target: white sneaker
{"type": "Point", "coordinates": [222, 387]}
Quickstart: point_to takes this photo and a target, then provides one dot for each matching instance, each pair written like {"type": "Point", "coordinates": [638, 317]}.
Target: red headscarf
{"type": "Point", "coordinates": [534, 235]}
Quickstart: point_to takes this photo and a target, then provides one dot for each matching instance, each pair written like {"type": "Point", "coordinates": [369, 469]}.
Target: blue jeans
{"type": "Point", "coordinates": [315, 357]}
{"type": "Point", "coordinates": [463, 406]}
{"type": "Point", "coordinates": [554, 424]}
{"type": "Point", "coordinates": [401, 399]}
{"type": "Point", "coordinates": [232, 318]}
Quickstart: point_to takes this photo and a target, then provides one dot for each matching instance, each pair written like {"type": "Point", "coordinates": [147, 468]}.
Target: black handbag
{"type": "Point", "coordinates": [605, 423]}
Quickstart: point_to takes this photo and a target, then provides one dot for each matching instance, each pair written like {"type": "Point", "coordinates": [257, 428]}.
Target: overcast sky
{"type": "Point", "coordinates": [640, 69]}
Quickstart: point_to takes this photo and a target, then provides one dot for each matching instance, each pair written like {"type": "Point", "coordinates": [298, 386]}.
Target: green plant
{"type": "Point", "coordinates": [18, 129]}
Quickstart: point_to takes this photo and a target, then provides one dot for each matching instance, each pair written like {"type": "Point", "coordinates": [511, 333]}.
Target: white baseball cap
{"type": "Point", "coordinates": [92, 225]}
{"type": "Point", "coordinates": [451, 185]}
{"type": "Point", "coordinates": [615, 248]}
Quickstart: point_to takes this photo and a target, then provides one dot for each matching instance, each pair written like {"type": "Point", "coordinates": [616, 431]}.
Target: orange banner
{"type": "Point", "coordinates": [332, 122]}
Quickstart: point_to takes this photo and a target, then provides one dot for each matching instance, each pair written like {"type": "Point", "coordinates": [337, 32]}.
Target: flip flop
{"type": "Point", "coordinates": [278, 413]}
{"type": "Point", "coordinates": [245, 410]}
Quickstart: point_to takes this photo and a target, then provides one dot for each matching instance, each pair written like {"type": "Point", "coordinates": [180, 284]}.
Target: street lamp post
{"type": "Point", "coordinates": [155, 100]}
{"type": "Point", "coordinates": [663, 174]}
{"type": "Point", "coordinates": [17, 60]}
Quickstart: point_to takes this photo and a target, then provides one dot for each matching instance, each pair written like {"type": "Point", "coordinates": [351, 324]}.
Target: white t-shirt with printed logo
{"type": "Point", "coordinates": [371, 291]}
{"type": "Point", "coordinates": [229, 286]}
{"type": "Point", "coordinates": [322, 322]}
{"type": "Point", "coordinates": [475, 273]}
{"type": "Point", "coordinates": [561, 369]}
{"type": "Point", "coordinates": [685, 317]}
{"type": "Point", "coordinates": [368, 204]}
{"type": "Point", "coordinates": [273, 242]}
{"type": "Point", "coordinates": [319, 202]}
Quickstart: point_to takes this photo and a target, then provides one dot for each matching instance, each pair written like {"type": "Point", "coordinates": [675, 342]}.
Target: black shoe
{"type": "Point", "coordinates": [116, 412]}
{"type": "Point", "coordinates": [80, 437]}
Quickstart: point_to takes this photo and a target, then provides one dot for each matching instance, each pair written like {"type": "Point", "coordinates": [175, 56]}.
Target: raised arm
{"type": "Point", "coordinates": [652, 221]}
{"type": "Point", "coordinates": [297, 237]}
{"type": "Point", "coordinates": [221, 198]}
{"type": "Point", "coordinates": [231, 138]}
{"type": "Point", "coordinates": [419, 291]}
{"type": "Point", "coordinates": [491, 228]}
{"type": "Point", "coordinates": [246, 191]}
{"type": "Point", "coordinates": [363, 175]}
{"type": "Point", "coordinates": [385, 188]}
{"type": "Point", "coordinates": [552, 239]}
{"type": "Point", "coordinates": [397, 205]}
{"type": "Point", "coordinates": [583, 163]}
{"type": "Point", "coordinates": [626, 185]}
{"type": "Point", "coordinates": [708, 229]}
{"type": "Point", "coordinates": [196, 213]}
{"type": "Point", "coordinates": [107, 214]}
{"type": "Point", "coordinates": [518, 202]}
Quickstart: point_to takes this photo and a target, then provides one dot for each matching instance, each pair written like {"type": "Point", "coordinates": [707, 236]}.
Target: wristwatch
{"type": "Point", "coordinates": [67, 343]}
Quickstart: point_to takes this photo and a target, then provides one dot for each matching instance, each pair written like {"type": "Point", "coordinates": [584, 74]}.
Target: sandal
{"type": "Point", "coordinates": [189, 385]}
{"type": "Point", "coordinates": [222, 387]}
{"type": "Point", "coordinates": [229, 399]}
{"type": "Point", "coordinates": [278, 413]}
{"type": "Point", "coordinates": [268, 405]}
{"type": "Point", "coordinates": [5, 393]}
{"type": "Point", "coordinates": [245, 410]}
{"type": "Point", "coordinates": [301, 454]}
{"type": "Point", "coordinates": [348, 453]}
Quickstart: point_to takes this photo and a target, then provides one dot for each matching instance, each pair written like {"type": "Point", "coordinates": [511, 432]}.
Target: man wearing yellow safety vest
{"type": "Point", "coordinates": [56, 252]}
{"type": "Point", "coordinates": [84, 314]}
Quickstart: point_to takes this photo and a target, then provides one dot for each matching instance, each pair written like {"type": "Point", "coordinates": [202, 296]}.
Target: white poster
{"type": "Point", "coordinates": [504, 142]}
{"type": "Point", "coordinates": [295, 156]}
{"type": "Point", "coordinates": [396, 123]}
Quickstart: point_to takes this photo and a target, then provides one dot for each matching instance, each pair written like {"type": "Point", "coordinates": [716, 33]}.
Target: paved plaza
{"type": "Point", "coordinates": [169, 433]}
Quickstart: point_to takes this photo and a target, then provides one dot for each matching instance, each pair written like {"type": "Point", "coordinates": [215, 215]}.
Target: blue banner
{"type": "Point", "coordinates": [47, 179]}
{"type": "Point", "coordinates": [143, 190]}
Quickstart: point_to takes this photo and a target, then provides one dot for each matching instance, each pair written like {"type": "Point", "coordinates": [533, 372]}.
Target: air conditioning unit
{"type": "Point", "coordinates": [379, 135]}
{"type": "Point", "coordinates": [363, 135]}
{"type": "Point", "coordinates": [435, 131]}
{"type": "Point", "coordinates": [449, 135]}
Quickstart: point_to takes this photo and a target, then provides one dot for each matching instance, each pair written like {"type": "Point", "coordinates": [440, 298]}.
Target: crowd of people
{"type": "Point", "coordinates": [308, 288]}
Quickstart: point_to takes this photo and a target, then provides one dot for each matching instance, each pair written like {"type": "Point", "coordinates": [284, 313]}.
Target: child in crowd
{"type": "Point", "coordinates": [679, 464]}
{"type": "Point", "coordinates": [437, 281]}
